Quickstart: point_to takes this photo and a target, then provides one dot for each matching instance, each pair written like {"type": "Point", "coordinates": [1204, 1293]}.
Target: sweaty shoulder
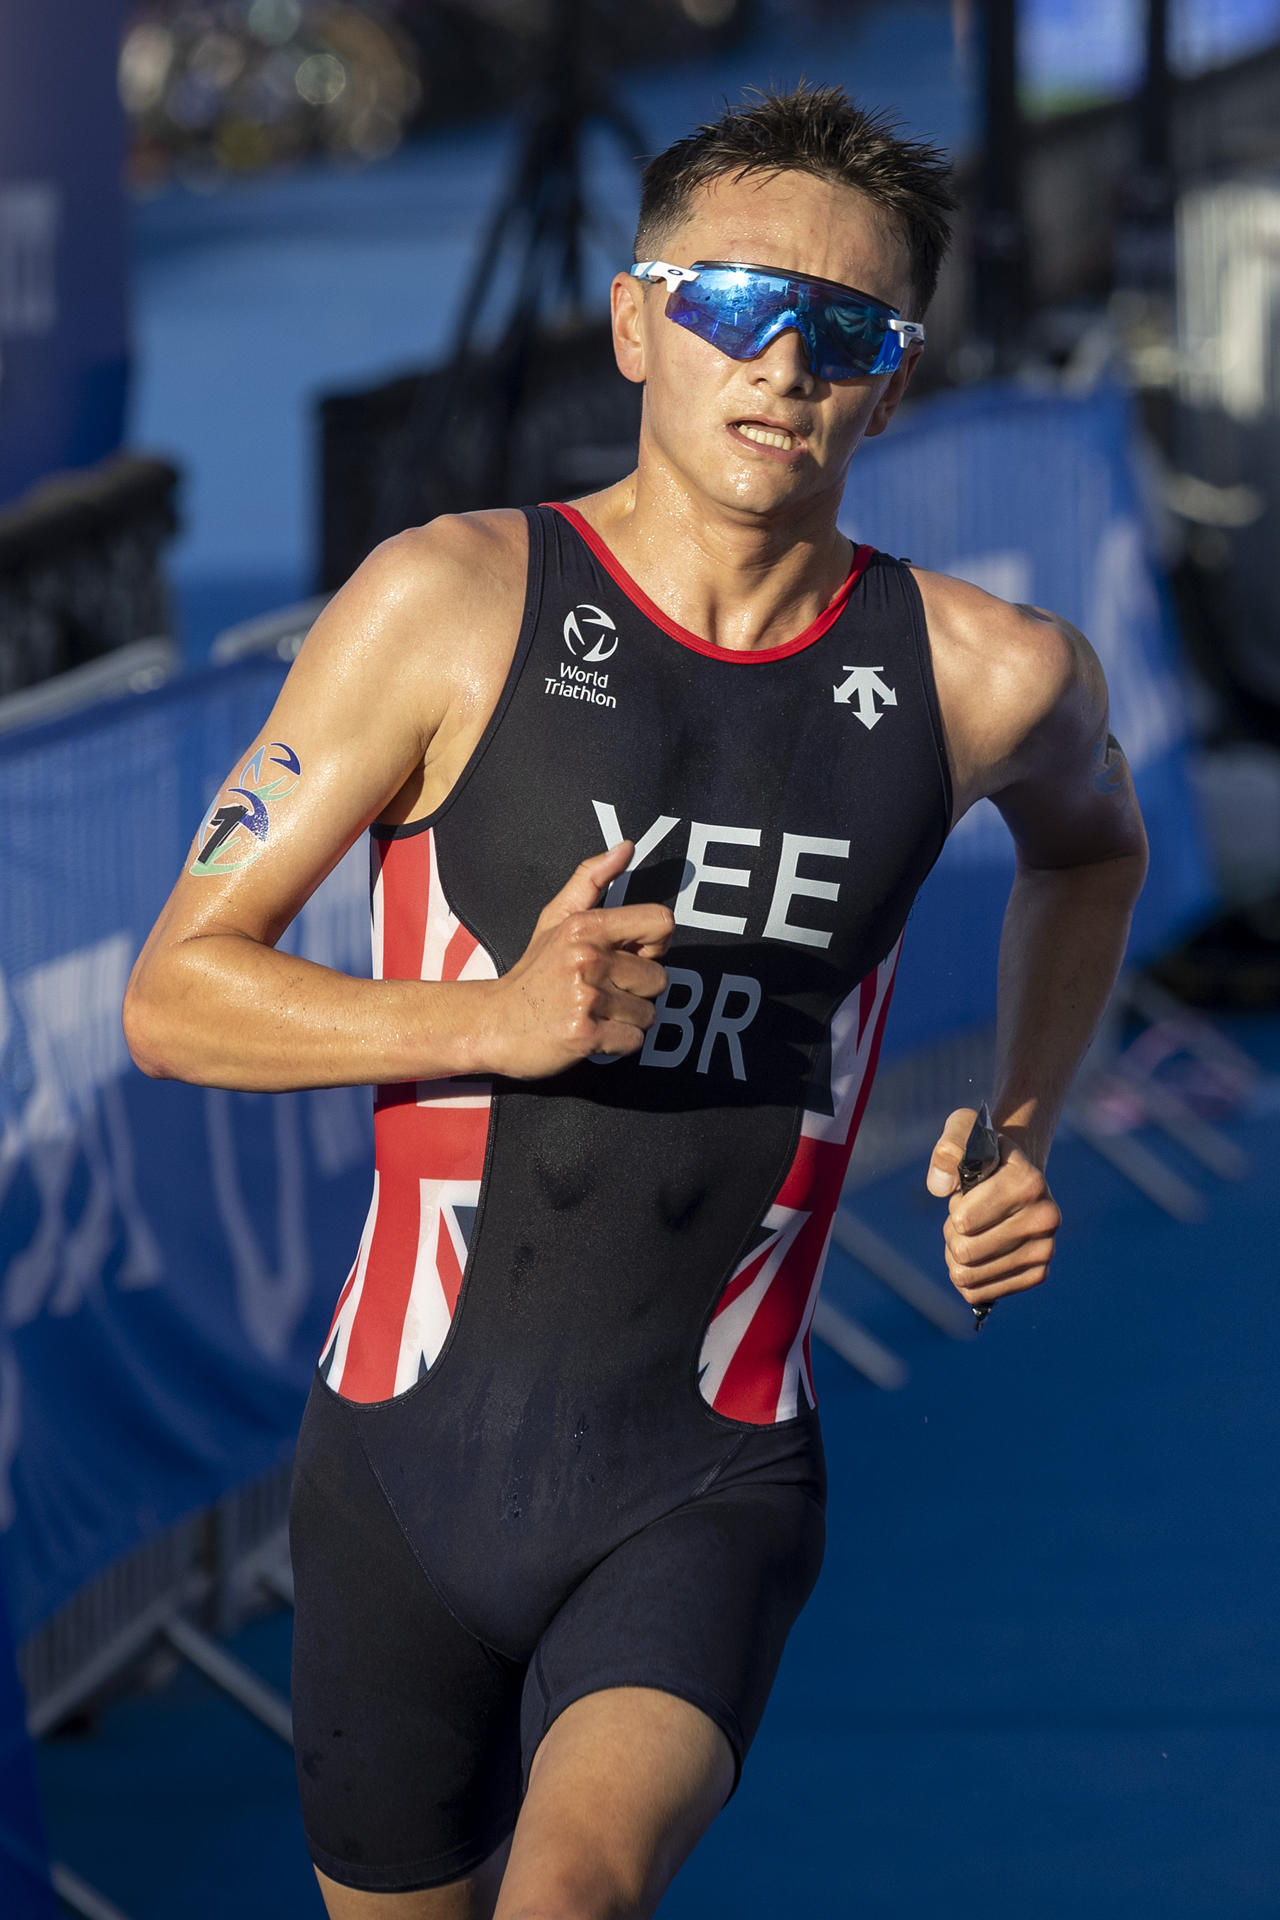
{"type": "Point", "coordinates": [471, 557]}
{"type": "Point", "coordinates": [407, 653]}
{"type": "Point", "coordinates": [1011, 680]}
{"type": "Point", "coordinates": [434, 597]}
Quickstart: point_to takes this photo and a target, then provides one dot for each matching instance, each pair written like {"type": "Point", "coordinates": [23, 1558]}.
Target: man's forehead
{"type": "Point", "coordinates": [796, 222]}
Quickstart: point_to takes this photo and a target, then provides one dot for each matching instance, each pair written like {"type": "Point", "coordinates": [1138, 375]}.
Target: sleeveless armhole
{"type": "Point", "coordinates": [534, 576]}
{"type": "Point", "coordinates": [924, 666]}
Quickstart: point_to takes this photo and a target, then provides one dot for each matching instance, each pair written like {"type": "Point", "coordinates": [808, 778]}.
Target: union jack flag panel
{"type": "Point", "coordinates": [755, 1363]}
{"type": "Point", "coordinates": [394, 1312]}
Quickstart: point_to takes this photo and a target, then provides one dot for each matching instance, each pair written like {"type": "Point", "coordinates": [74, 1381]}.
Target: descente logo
{"type": "Point", "coordinates": [861, 691]}
{"type": "Point", "coordinates": [591, 638]}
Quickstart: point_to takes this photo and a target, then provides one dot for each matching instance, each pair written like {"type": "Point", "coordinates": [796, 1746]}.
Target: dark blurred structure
{"type": "Point", "coordinates": [1144, 245]}
{"type": "Point", "coordinates": [1223, 439]}
{"type": "Point", "coordinates": [533, 412]}
{"type": "Point", "coordinates": [1071, 212]}
{"type": "Point", "coordinates": [1081, 168]}
{"type": "Point", "coordinates": [543, 416]}
{"type": "Point", "coordinates": [80, 567]}
{"type": "Point", "coordinates": [81, 528]}
{"type": "Point", "coordinates": [1219, 425]}
{"type": "Point", "coordinates": [1061, 209]}
{"type": "Point", "coordinates": [999, 233]}
{"type": "Point", "coordinates": [63, 313]}
{"type": "Point", "coordinates": [218, 88]}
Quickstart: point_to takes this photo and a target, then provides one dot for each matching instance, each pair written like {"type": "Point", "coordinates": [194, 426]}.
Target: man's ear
{"type": "Point", "coordinates": [896, 385]}
{"type": "Point", "coordinates": [626, 304]}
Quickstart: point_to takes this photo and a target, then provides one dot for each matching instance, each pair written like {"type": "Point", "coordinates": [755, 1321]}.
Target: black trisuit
{"type": "Point", "coordinates": [562, 1436]}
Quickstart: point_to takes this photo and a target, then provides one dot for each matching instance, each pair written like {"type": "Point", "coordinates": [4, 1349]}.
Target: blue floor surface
{"type": "Point", "coordinates": [1041, 1672]}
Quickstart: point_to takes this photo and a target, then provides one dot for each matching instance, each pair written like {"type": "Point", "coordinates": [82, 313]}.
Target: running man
{"type": "Point", "coordinates": [651, 782]}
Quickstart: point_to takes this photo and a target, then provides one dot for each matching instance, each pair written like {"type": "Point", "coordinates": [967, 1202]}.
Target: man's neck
{"type": "Point", "coordinates": [742, 581]}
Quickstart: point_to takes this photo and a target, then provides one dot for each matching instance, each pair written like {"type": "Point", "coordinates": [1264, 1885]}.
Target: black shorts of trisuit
{"type": "Point", "coordinates": [414, 1734]}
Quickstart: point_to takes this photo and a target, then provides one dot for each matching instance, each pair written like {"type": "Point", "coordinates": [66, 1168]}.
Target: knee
{"type": "Point", "coordinates": [573, 1907]}
{"type": "Point", "coordinates": [570, 1899]}
{"type": "Point", "coordinates": [576, 1909]}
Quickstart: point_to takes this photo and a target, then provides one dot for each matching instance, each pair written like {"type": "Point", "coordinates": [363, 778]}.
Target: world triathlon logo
{"type": "Point", "coordinates": [234, 829]}
{"type": "Point", "coordinates": [599, 643]}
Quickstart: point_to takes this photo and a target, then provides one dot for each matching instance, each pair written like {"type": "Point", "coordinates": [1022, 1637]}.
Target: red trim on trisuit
{"type": "Point", "coordinates": [739, 656]}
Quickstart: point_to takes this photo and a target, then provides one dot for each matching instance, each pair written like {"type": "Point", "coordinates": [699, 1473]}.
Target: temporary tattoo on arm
{"type": "Point", "coordinates": [1111, 769]}
{"type": "Point", "coordinates": [235, 829]}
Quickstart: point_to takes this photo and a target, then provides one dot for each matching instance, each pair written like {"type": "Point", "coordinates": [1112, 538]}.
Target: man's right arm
{"type": "Point", "coordinates": [378, 714]}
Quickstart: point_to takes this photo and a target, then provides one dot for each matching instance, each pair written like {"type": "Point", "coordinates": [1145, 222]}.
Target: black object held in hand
{"type": "Point", "coordinates": [980, 1159]}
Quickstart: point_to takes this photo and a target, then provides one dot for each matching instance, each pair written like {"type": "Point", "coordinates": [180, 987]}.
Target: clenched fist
{"type": "Point", "coordinates": [587, 980]}
{"type": "Point", "coordinates": [1000, 1235]}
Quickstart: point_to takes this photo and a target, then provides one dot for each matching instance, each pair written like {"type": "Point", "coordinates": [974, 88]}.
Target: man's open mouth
{"type": "Point", "coordinates": [765, 436]}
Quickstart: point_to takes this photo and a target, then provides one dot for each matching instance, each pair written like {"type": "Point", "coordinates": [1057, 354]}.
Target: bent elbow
{"type": "Point", "coordinates": [143, 1034]}
{"type": "Point", "coordinates": [1140, 860]}
{"type": "Point", "coordinates": [137, 1037]}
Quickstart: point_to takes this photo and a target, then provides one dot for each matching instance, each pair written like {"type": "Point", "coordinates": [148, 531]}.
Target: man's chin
{"type": "Point", "coordinates": [747, 490]}
{"type": "Point", "coordinates": [775, 497]}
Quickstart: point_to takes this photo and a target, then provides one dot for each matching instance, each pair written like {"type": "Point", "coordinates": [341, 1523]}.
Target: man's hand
{"type": "Point", "coordinates": [587, 980]}
{"type": "Point", "coordinates": [999, 1236]}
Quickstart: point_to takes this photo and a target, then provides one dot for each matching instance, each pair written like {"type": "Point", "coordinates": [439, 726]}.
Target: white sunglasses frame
{"type": "Point", "coordinates": [910, 330]}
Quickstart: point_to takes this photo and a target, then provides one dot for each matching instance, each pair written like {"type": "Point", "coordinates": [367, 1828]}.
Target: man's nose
{"type": "Point", "coordinates": [784, 364]}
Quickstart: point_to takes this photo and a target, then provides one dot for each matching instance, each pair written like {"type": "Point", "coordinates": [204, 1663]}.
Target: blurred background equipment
{"type": "Point", "coordinates": [219, 88]}
{"type": "Point", "coordinates": [529, 404]}
{"type": "Point", "coordinates": [215, 89]}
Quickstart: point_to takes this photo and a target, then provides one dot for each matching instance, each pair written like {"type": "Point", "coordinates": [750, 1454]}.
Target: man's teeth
{"type": "Point", "coordinates": [766, 436]}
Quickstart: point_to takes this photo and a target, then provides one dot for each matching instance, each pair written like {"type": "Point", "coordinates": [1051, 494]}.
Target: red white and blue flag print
{"type": "Point", "coordinates": [755, 1362]}
{"type": "Point", "coordinates": [394, 1312]}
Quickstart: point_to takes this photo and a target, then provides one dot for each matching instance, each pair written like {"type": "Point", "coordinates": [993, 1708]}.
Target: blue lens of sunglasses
{"type": "Point", "coordinates": [741, 309]}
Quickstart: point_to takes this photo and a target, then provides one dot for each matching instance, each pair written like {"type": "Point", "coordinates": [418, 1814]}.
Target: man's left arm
{"type": "Point", "coordinates": [1061, 782]}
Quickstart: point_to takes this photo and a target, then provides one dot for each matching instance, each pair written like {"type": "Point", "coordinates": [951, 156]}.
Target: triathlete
{"type": "Point", "coordinates": [652, 782]}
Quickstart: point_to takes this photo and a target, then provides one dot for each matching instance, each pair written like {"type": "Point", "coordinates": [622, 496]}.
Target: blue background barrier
{"type": "Point", "coordinates": [25, 1892]}
{"type": "Point", "coordinates": [170, 1256]}
{"type": "Point", "coordinates": [1034, 497]}
{"type": "Point", "coordinates": [64, 245]}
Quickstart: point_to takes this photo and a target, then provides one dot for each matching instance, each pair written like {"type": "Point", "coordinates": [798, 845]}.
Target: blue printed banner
{"type": "Point", "coordinates": [169, 1255]}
